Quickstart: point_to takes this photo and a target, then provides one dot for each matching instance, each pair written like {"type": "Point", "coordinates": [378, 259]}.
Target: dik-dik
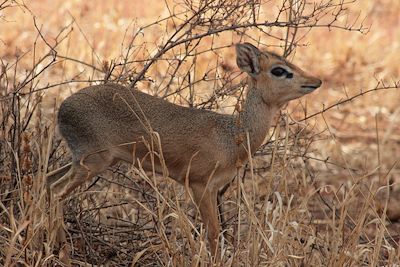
{"type": "Point", "coordinates": [104, 124]}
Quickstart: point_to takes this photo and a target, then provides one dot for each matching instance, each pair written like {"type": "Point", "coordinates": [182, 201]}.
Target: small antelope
{"type": "Point", "coordinates": [104, 124]}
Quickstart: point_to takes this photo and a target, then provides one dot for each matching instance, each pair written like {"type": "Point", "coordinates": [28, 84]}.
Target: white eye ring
{"type": "Point", "coordinates": [279, 72]}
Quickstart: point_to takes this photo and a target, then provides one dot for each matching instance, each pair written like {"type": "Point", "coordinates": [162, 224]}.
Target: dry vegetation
{"type": "Point", "coordinates": [324, 189]}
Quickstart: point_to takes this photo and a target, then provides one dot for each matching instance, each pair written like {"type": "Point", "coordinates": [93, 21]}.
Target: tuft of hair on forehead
{"type": "Point", "coordinates": [270, 53]}
{"type": "Point", "coordinates": [278, 57]}
{"type": "Point", "coordinates": [274, 55]}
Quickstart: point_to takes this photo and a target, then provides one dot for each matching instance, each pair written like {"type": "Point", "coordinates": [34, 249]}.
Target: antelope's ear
{"type": "Point", "coordinates": [247, 58]}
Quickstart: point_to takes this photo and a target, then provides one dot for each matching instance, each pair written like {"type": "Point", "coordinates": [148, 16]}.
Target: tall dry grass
{"type": "Point", "coordinates": [322, 191]}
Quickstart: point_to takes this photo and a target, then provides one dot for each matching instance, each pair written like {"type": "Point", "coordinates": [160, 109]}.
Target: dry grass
{"type": "Point", "coordinates": [316, 194]}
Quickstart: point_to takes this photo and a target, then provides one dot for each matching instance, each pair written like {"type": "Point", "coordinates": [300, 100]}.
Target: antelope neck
{"type": "Point", "coordinates": [257, 116]}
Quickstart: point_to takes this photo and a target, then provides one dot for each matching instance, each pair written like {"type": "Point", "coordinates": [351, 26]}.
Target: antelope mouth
{"type": "Point", "coordinates": [310, 88]}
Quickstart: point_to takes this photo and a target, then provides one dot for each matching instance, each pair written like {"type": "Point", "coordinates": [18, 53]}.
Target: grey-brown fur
{"type": "Point", "coordinates": [103, 124]}
{"type": "Point", "coordinates": [110, 115]}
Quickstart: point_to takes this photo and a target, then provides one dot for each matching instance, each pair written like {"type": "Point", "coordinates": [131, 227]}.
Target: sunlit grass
{"type": "Point", "coordinates": [316, 198]}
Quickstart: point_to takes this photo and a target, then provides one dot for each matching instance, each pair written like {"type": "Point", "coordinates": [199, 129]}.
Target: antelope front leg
{"type": "Point", "coordinates": [206, 200]}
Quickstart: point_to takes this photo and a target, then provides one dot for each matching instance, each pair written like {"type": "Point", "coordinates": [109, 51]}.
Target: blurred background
{"type": "Point", "coordinates": [345, 136]}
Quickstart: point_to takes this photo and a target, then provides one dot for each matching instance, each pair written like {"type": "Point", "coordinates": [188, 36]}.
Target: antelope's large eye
{"type": "Point", "coordinates": [278, 71]}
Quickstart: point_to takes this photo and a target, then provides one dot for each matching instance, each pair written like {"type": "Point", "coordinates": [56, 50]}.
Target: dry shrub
{"type": "Point", "coordinates": [323, 189]}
